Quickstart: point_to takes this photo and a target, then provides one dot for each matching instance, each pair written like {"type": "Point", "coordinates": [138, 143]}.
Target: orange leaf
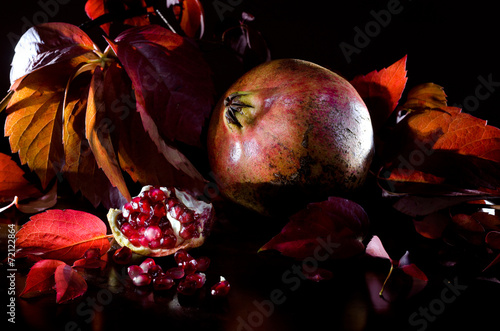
{"type": "Point", "coordinates": [381, 90]}
{"type": "Point", "coordinates": [61, 234]}
{"type": "Point", "coordinates": [33, 125]}
{"type": "Point", "coordinates": [45, 58]}
{"type": "Point", "coordinates": [98, 130]}
{"type": "Point", "coordinates": [80, 167]}
{"type": "Point", "coordinates": [69, 284]}
{"type": "Point", "coordinates": [12, 181]}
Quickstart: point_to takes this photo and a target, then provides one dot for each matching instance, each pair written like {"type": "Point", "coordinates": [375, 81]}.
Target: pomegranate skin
{"type": "Point", "coordinates": [287, 133]}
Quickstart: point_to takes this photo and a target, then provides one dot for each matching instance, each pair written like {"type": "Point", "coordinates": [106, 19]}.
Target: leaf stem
{"type": "Point", "coordinates": [381, 293]}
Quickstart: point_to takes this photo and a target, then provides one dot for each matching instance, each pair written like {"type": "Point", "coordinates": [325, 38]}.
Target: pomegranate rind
{"type": "Point", "coordinates": [204, 209]}
{"type": "Point", "coordinates": [289, 132]}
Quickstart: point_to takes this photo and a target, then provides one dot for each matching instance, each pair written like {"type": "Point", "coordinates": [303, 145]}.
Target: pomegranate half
{"type": "Point", "coordinates": [160, 221]}
{"type": "Point", "coordinates": [289, 132]}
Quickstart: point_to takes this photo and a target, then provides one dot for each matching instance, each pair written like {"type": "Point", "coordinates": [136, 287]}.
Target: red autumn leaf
{"type": "Point", "coordinates": [381, 90]}
{"type": "Point", "coordinates": [69, 284]}
{"type": "Point", "coordinates": [190, 15]}
{"type": "Point", "coordinates": [40, 278]}
{"type": "Point", "coordinates": [95, 9]}
{"type": "Point", "coordinates": [376, 249]}
{"type": "Point", "coordinates": [61, 234]}
{"type": "Point", "coordinates": [12, 181]}
{"type": "Point", "coordinates": [171, 81]}
{"type": "Point", "coordinates": [336, 226]}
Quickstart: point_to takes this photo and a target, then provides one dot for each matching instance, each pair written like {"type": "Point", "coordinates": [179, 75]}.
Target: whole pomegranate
{"type": "Point", "coordinates": [286, 133]}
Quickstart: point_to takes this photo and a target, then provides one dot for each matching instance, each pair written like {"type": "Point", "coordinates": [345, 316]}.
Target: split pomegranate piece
{"type": "Point", "coordinates": [160, 221]}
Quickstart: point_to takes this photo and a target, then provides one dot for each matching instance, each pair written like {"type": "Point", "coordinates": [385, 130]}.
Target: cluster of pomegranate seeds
{"type": "Point", "coordinates": [157, 219]}
{"type": "Point", "coordinates": [188, 274]}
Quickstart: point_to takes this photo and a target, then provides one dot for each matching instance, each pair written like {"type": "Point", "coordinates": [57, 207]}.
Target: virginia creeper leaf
{"type": "Point", "coordinates": [80, 166]}
{"type": "Point", "coordinates": [40, 278]}
{"type": "Point", "coordinates": [45, 59]}
{"type": "Point", "coordinates": [381, 90]}
{"type": "Point", "coordinates": [98, 129]}
{"type": "Point", "coordinates": [191, 15]}
{"type": "Point", "coordinates": [171, 81]}
{"type": "Point", "coordinates": [95, 9]}
{"type": "Point", "coordinates": [336, 226]}
{"type": "Point", "coordinates": [12, 181]}
{"type": "Point", "coordinates": [33, 124]}
{"type": "Point", "coordinates": [47, 44]}
{"type": "Point", "coordinates": [440, 152]}
{"type": "Point", "coordinates": [69, 284]}
{"type": "Point", "coordinates": [61, 234]}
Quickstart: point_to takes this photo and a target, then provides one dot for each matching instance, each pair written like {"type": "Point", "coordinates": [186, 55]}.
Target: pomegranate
{"type": "Point", "coordinates": [286, 133]}
{"type": "Point", "coordinates": [160, 221]}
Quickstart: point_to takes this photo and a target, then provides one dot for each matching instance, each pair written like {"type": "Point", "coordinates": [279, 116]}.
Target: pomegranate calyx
{"type": "Point", "coordinates": [235, 109]}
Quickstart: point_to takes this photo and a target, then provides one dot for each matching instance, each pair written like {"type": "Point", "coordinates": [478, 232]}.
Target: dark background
{"type": "Point", "coordinates": [447, 42]}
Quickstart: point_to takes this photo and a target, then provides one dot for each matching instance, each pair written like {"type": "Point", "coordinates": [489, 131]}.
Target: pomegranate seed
{"type": "Point", "coordinates": [143, 241]}
{"type": "Point", "coordinates": [171, 202]}
{"type": "Point", "coordinates": [176, 211]}
{"type": "Point", "coordinates": [175, 273]}
{"type": "Point", "coordinates": [163, 282]}
{"type": "Point", "coordinates": [169, 241]}
{"type": "Point", "coordinates": [147, 264]}
{"type": "Point", "coordinates": [182, 256]}
{"type": "Point", "coordinates": [142, 220]}
{"type": "Point", "coordinates": [92, 253]}
{"type": "Point", "coordinates": [155, 271]}
{"type": "Point", "coordinates": [198, 278]}
{"type": "Point", "coordinates": [187, 286]}
{"type": "Point", "coordinates": [189, 231]}
{"type": "Point", "coordinates": [134, 271]}
{"type": "Point", "coordinates": [154, 244]}
{"type": "Point", "coordinates": [142, 280]}
{"type": "Point", "coordinates": [152, 233]}
{"type": "Point", "coordinates": [122, 255]}
{"type": "Point", "coordinates": [203, 263]}
{"type": "Point", "coordinates": [145, 206]}
{"type": "Point", "coordinates": [159, 210]}
{"type": "Point", "coordinates": [221, 288]}
{"type": "Point", "coordinates": [186, 217]}
{"type": "Point", "coordinates": [127, 229]}
{"type": "Point", "coordinates": [156, 194]}
{"type": "Point", "coordinates": [134, 239]}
